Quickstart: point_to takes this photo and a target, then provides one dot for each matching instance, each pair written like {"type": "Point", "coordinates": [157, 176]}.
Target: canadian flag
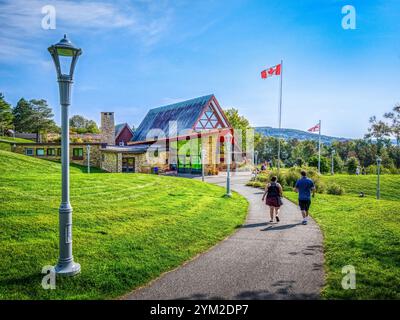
{"type": "Point", "coordinates": [276, 70]}
{"type": "Point", "coordinates": [315, 128]}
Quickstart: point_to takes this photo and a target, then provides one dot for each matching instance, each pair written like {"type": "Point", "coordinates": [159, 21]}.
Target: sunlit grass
{"type": "Point", "coordinates": [364, 233]}
{"type": "Point", "coordinates": [128, 228]}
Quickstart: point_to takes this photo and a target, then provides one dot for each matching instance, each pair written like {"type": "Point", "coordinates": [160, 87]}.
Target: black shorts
{"type": "Point", "coordinates": [304, 205]}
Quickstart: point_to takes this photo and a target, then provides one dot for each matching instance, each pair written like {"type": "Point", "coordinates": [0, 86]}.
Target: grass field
{"type": "Point", "coordinates": [5, 142]}
{"type": "Point", "coordinates": [362, 232]}
{"type": "Point", "coordinates": [390, 184]}
{"type": "Point", "coordinates": [128, 228]}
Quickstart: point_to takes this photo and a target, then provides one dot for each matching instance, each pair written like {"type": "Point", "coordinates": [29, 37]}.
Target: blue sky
{"type": "Point", "coordinates": [143, 54]}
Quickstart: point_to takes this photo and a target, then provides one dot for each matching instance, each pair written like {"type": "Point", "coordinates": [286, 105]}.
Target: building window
{"type": "Point", "coordinates": [77, 153]}
{"type": "Point", "coordinates": [59, 152]}
{"type": "Point", "coordinates": [40, 152]}
{"type": "Point", "coordinates": [51, 152]}
{"type": "Point", "coordinates": [29, 152]}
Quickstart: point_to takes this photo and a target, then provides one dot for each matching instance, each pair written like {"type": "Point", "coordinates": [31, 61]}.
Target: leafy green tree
{"type": "Point", "coordinates": [366, 152]}
{"type": "Point", "coordinates": [352, 164]}
{"type": "Point", "coordinates": [338, 163]}
{"type": "Point", "coordinates": [22, 113]}
{"type": "Point", "coordinates": [6, 116]}
{"type": "Point", "coordinates": [394, 116]}
{"type": "Point", "coordinates": [238, 122]}
{"type": "Point", "coordinates": [41, 117]}
{"type": "Point", "coordinates": [92, 127]}
{"type": "Point", "coordinates": [77, 122]}
{"type": "Point", "coordinates": [82, 125]}
{"type": "Point", "coordinates": [380, 131]}
{"type": "Point", "coordinates": [343, 148]}
{"type": "Point", "coordinates": [34, 116]}
{"type": "Point", "coordinates": [325, 164]}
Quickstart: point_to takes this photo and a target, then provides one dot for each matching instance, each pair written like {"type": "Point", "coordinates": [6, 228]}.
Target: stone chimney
{"type": "Point", "coordinates": [108, 128]}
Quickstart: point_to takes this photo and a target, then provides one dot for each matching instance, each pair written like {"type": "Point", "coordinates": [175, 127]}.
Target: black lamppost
{"type": "Point", "coordinates": [66, 265]}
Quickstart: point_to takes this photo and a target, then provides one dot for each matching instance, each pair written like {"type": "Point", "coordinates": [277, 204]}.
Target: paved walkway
{"type": "Point", "coordinates": [261, 260]}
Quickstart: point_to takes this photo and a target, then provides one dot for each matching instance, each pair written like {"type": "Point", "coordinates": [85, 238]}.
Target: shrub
{"type": "Point", "coordinates": [335, 189]}
{"type": "Point", "coordinates": [280, 176]}
{"type": "Point", "coordinates": [291, 176]}
{"type": "Point", "coordinates": [262, 178]}
{"type": "Point", "coordinates": [256, 184]}
{"type": "Point", "coordinates": [320, 186]}
{"type": "Point", "coordinates": [372, 169]}
{"type": "Point", "coordinates": [259, 184]}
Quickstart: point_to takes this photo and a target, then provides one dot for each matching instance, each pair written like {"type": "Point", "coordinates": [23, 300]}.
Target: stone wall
{"type": "Point", "coordinates": [109, 161]}
{"type": "Point", "coordinates": [95, 152]}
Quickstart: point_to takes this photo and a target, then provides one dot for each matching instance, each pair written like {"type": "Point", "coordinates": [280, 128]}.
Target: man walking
{"type": "Point", "coordinates": [304, 186]}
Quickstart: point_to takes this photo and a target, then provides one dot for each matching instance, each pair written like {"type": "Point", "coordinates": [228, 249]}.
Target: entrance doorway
{"type": "Point", "coordinates": [128, 165]}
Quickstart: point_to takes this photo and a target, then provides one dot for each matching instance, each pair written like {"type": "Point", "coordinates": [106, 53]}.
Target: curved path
{"type": "Point", "coordinates": [261, 260]}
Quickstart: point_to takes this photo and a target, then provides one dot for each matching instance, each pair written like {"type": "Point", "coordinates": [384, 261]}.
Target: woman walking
{"type": "Point", "coordinates": [273, 192]}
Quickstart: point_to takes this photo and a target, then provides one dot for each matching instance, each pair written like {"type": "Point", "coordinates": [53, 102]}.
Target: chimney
{"type": "Point", "coordinates": [108, 128]}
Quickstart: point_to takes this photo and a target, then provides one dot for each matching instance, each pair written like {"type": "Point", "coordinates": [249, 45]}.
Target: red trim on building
{"type": "Point", "coordinates": [125, 135]}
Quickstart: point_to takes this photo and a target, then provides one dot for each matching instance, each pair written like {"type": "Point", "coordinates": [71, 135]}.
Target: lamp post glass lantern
{"type": "Point", "coordinates": [65, 56]}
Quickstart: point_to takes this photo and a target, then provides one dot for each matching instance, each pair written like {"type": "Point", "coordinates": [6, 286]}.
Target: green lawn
{"type": "Point", "coordinates": [362, 232]}
{"type": "Point", "coordinates": [390, 184]}
{"type": "Point", "coordinates": [5, 142]}
{"type": "Point", "coordinates": [11, 139]}
{"type": "Point", "coordinates": [128, 228]}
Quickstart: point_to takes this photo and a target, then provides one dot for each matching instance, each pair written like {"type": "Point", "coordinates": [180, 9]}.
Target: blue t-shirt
{"type": "Point", "coordinates": [304, 185]}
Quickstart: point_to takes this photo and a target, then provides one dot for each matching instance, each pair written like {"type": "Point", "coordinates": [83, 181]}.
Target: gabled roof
{"type": "Point", "coordinates": [186, 114]}
{"type": "Point", "coordinates": [119, 127]}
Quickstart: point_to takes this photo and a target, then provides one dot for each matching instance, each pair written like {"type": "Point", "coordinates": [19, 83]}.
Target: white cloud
{"type": "Point", "coordinates": [21, 21]}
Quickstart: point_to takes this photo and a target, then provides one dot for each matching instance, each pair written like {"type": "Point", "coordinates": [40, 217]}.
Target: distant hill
{"type": "Point", "coordinates": [295, 134]}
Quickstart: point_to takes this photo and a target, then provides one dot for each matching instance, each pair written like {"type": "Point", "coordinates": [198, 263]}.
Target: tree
{"type": "Point", "coordinates": [6, 116]}
{"type": "Point", "coordinates": [394, 116]}
{"type": "Point", "coordinates": [82, 125]}
{"type": "Point", "coordinates": [352, 164]}
{"type": "Point", "coordinates": [41, 117]}
{"type": "Point", "coordinates": [238, 122]}
{"type": "Point", "coordinates": [77, 122]}
{"type": "Point", "coordinates": [380, 131]}
{"type": "Point", "coordinates": [325, 163]}
{"type": "Point", "coordinates": [34, 116]}
{"type": "Point", "coordinates": [22, 113]}
{"type": "Point", "coordinates": [337, 163]}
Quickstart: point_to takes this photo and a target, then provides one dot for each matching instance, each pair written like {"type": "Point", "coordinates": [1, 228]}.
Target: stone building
{"type": "Point", "coordinates": [171, 138]}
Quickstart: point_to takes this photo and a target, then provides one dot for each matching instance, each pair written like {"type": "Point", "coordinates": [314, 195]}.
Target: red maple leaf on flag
{"type": "Point", "coordinates": [275, 70]}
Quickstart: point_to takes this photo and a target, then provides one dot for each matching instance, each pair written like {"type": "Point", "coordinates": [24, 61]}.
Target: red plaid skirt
{"type": "Point", "coordinates": [273, 202]}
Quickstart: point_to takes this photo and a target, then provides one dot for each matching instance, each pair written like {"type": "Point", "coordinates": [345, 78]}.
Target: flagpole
{"type": "Point", "coordinates": [319, 148]}
{"type": "Point", "coordinates": [280, 118]}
